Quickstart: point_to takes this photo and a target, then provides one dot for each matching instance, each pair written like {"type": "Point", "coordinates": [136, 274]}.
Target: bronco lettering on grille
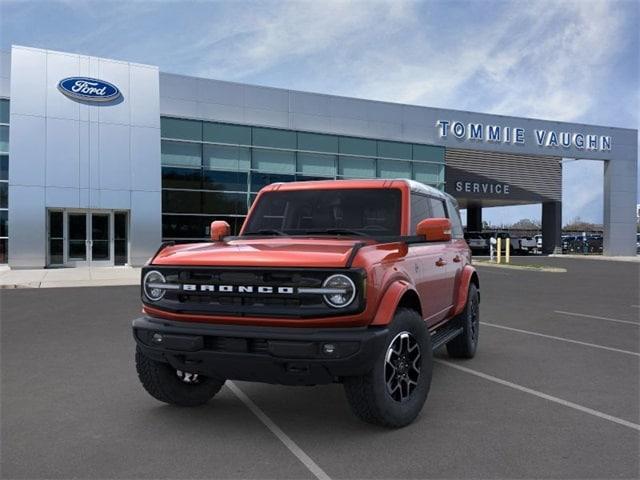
{"type": "Point", "coordinates": [190, 287]}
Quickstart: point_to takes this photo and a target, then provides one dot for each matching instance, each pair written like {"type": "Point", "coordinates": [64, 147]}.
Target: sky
{"type": "Point", "coordinates": [558, 60]}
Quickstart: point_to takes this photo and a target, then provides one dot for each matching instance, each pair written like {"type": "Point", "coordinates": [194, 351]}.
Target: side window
{"type": "Point", "coordinates": [456, 223]}
{"type": "Point", "coordinates": [419, 210]}
{"type": "Point", "coordinates": [437, 208]}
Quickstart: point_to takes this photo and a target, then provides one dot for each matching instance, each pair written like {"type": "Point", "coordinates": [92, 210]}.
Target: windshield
{"type": "Point", "coordinates": [358, 212]}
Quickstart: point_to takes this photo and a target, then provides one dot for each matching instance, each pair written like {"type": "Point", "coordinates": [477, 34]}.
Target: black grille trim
{"type": "Point", "coordinates": [297, 305]}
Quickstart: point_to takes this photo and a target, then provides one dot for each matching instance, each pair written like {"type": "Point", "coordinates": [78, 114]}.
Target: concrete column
{"type": "Point", "coordinates": [552, 227]}
{"type": "Point", "coordinates": [474, 218]}
{"type": "Point", "coordinates": [620, 198]}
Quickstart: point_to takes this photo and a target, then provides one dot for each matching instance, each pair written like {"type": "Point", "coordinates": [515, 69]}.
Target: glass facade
{"type": "Point", "coordinates": [4, 180]}
{"type": "Point", "coordinates": [212, 171]}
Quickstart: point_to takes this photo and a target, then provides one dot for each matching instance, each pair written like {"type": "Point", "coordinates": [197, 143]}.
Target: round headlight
{"type": "Point", "coordinates": [150, 285]}
{"type": "Point", "coordinates": [344, 291]}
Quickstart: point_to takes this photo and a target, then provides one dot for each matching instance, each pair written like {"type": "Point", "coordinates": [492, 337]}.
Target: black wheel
{"type": "Point", "coordinates": [466, 344]}
{"type": "Point", "coordinates": [176, 387]}
{"type": "Point", "coordinates": [393, 392]}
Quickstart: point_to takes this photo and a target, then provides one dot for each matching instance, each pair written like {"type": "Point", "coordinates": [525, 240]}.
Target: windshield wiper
{"type": "Point", "coordinates": [267, 231]}
{"type": "Point", "coordinates": [338, 231]}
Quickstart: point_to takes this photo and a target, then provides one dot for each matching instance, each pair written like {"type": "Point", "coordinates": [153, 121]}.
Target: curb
{"type": "Point", "coordinates": [521, 267]}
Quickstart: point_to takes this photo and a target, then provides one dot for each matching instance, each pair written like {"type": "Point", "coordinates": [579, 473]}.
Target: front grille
{"type": "Point", "coordinates": [252, 303]}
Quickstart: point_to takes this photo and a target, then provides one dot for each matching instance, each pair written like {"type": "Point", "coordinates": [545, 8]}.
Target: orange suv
{"type": "Point", "coordinates": [349, 281]}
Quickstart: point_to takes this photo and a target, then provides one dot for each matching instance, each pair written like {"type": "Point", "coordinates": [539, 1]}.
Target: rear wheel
{"type": "Point", "coordinates": [393, 393]}
{"type": "Point", "coordinates": [172, 386]}
{"type": "Point", "coordinates": [466, 344]}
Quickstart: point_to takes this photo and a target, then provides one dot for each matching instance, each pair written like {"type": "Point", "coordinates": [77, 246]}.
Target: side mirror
{"type": "Point", "coordinates": [435, 229]}
{"type": "Point", "coordinates": [219, 230]}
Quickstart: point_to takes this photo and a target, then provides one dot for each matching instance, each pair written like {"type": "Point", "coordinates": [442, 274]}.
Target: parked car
{"type": "Point", "coordinates": [477, 242]}
{"type": "Point", "coordinates": [528, 245]}
{"type": "Point", "coordinates": [348, 281]}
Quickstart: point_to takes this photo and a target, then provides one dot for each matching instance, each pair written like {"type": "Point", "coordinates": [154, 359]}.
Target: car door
{"type": "Point", "coordinates": [459, 248]}
{"type": "Point", "coordinates": [430, 259]}
{"type": "Point", "coordinates": [449, 256]}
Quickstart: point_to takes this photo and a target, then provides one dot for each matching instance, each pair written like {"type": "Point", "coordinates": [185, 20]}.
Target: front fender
{"type": "Point", "coordinates": [468, 272]}
{"type": "Point", "coordinates": [389, 302]}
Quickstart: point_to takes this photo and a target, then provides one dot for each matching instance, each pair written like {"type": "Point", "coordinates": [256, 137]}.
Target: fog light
{"type": "Point", "coordinates": [328, 348]}
{"type": "Point", "coordinates": [157, 338]}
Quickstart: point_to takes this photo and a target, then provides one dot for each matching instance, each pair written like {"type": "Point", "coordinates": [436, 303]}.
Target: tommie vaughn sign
{"type": "Point", "coordinates": [88, 89]}
{"type": "Point", "coordinates": [478, 132]}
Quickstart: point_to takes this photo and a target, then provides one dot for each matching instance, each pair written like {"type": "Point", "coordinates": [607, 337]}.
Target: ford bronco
{"type": "Point", "coordinates": [349, 281]}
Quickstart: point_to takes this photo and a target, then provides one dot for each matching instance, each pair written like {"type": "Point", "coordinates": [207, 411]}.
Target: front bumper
{"type": "Point", "coordinates": [288, 356]}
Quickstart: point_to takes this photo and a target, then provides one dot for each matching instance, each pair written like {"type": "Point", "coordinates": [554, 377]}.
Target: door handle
{"type": "Point", "coordinates": [440, 262]}
{"type": "Point", "coordinates": [457, 259]}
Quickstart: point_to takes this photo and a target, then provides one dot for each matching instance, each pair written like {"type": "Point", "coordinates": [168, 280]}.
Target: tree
{"type": "Point", "coordinates": [526, 224]}
{"type": "Point", "coordinates": [579, 225]}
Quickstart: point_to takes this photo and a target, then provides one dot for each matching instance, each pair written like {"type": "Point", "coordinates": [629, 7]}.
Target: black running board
{"type": "Point", "coordinates": [444, 335]}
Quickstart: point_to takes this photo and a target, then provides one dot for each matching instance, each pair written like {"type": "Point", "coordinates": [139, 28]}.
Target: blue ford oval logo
{"type": "Point", "coordinates": [89, 89]}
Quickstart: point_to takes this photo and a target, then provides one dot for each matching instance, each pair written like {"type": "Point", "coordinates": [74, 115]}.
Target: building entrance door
{"type": "Point", "coordinates": [87, 238]}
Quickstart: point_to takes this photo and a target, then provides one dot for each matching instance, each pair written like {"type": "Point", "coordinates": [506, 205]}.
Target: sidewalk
{"type": "Point", "coordinates": [69, 277]}
{"type": "Point", "coordinates": [635, 259]}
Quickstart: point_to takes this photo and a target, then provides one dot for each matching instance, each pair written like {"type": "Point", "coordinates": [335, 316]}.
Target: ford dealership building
{"type": "Point", "coordinates": [101, 160]}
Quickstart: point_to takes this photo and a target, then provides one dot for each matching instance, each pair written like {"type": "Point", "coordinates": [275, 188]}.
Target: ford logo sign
{"type": "Point", "coordinates": [89, 89]}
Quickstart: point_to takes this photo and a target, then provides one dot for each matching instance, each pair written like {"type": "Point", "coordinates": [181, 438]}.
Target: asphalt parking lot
{"type": "Point", "coordinates": [553, 393]}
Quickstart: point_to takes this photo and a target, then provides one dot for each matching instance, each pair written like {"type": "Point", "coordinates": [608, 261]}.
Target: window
{"type": "Point", "coordinates": [428, 153]}
{"type": "Point", "coordinates": [185, 226]}
{"type": "Point", "coordinates": [120, 246]}
{"type": "Point", "coordinates": [276, 161]}
{"type": "Point", "coordinates": [4, 111]}
{"type": "Point", "coordinates": [316, 164]}
{"type": "Point", "coordinates": [428, 173]}
{"type": "Point", "coordinates": [4, 221]}
{"type": "Point", "coordinates": [173, 177]}
{"type": "Point", "coordinates": [394, 150]}
{"type": "Point", "coordinates": [182, 129]}
{"type": "Point", "coordinates": [358, 146]}
{"type": "Point", "coordinates": [229, 181]}
{"type": "Point", "coordinates": [317, 143]}
{"type": "Point", "coordinates": [176, 201]}
{"type": "Point", "coordinates": [357, 167]}
{"type": "Point", "coordinates": [4, 193]}
{"type": "Point", "coordinates": [4, 139]}
{"type": "Point", "coordinates": [181, 154]}
{"type": "Point", "coordinates": [394, 169]}
{"type": "Point", "coordinates": [4, 167]}
{"type": "Point", "coordinates": [419, 210]}
{"type": "Point", "coordinates": [260, 180]}
{"type": "Point", "coordinates": [454, 215]}
{"type": "Point", "coordinates": [437, 208]}
{"type": "Point", "coordinates": [212, 169]}
{"type": "Point", "coordinates": [226, 157]}
{"type": "Point", "coordinates": [229, 203]}
{"type": "Point", "coordinates": [271, 137]}
{"type": "Point", "coordinates": [224, 133]}
{"type": "Point", "coordinates": [371, 212]}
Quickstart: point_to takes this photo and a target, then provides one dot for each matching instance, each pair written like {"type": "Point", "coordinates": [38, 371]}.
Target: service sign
{"type": "Point", "coordinates": [88, 89]}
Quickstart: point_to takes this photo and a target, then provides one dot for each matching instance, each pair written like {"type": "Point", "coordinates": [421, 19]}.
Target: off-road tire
{"type": "Point", "coordinates": [368, 396]}
{"type": "Point", "coordinates": [466, 344]}
{"type": "Point", "coordinates": [162, 383]}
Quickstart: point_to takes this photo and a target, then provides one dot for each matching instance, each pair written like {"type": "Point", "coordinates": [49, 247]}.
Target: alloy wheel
{"type": "Point", "coordinates": [402, 366]}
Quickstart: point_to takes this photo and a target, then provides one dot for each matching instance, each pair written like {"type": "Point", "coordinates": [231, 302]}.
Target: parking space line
{"type": "Point", "coordinates": [596, 317]}
{"type": "Point", "coordinates": [277, 431]}
{"type": "Point", "coordinates": [545, 396]}
{"type": "Point", "coordinates": [562, 339]}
